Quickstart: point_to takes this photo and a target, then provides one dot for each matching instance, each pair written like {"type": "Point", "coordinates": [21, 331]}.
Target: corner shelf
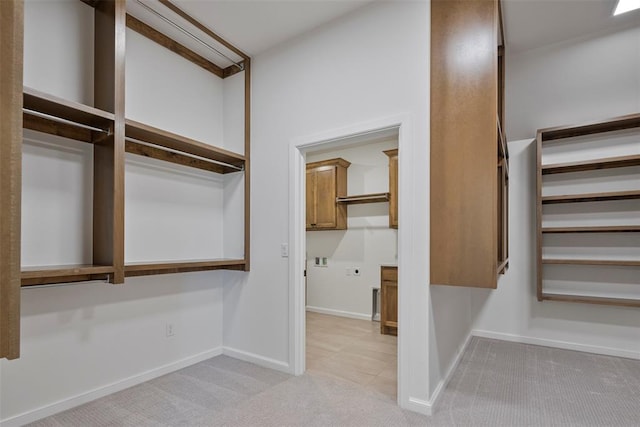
{"type": "Point", "coordinates": [590, 165]}
{"type": "Point", "coordinates": [168, 267]}
{"type": "Point", "coordinates": [363, 198]}
{"type": "Point", "coordinates": [223, 161]}
{"type": "Point", "coordinates": [63, 273]}
{"type": "Point", "coordinates": [592, 197]}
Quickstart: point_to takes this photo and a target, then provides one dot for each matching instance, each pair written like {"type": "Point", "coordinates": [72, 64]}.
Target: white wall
{"type": "Point", "coordinates": [371, 64]}
{"type": "Point", "coordinates": [367, 243]}
{"type": "Point", "coordinates": [87, 339]}
{"type": "Point", "coordinates": [573, 82]}
{"type": "Point", "coordinates": [576, 81]}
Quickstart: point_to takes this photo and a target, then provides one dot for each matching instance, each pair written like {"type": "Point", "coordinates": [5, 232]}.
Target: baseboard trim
{"type": "Point", "coordinates": [418, 405]}
{"type": "Point", "coordinates": [340, 313]}
{"type": "Point", "coordinates": [566, 345]}
{"type": "Point", "coordinates": [442, 385]}
{"type": "Point", "coordinates": [257, 359]}
{"type": "Point", "coordinates": [72, 402]}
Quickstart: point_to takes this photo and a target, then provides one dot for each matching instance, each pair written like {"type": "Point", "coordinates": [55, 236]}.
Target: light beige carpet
{"type": "Point", "coordinates": [496, 384]}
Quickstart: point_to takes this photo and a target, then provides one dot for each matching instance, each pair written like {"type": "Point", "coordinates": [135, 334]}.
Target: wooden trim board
{"type": "Point", "coordinates": [11, 46]}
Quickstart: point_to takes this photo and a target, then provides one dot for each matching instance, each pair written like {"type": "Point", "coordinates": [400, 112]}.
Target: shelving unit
{"type": "Point", "coordinates": [559, 135]}
{"type": "Point", "coordinates": [112, 135]}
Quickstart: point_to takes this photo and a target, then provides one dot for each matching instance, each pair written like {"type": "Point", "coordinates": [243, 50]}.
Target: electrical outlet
{"type": "Point", "coordinates": [170, 329]}
{"type": "Point", "coordinates": [347, 272]}
{"type": "Point", "coordinates": [356, 271]}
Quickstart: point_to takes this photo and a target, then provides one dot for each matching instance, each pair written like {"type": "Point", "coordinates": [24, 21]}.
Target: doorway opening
{"type": "Point", "coordinates": [385, 366]}
{"type": "Point", "coordinates": [351, 262]}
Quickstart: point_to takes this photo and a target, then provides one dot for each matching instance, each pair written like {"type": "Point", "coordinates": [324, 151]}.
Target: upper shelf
{"type": "Point", "coordinates": [363, 198]}
{"type": "Point", "coordinates": [592, 197]}
{"type": "Point", "coordinates": [594, 164]}
{"type": "Point", "coordinates": [226, 161]}
{"type": "Point", "coordinates": [170, 267]}
{"type": "Point", "coordinates": [618, 123]}
{"type": "Point", "coordinates": [41, 103]}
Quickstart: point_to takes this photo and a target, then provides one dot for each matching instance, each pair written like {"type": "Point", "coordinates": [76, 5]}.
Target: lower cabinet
{"type": "Point", "coordinates": [389, 300]}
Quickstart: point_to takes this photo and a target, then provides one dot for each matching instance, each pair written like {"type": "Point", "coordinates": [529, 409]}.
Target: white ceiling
{"type": "Point", "coordinates": [534, 23]}
{"type": "Point", "coordinates": [255, 26]}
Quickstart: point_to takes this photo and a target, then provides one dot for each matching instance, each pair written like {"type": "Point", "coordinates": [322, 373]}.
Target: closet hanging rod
{"type": "Point", "coordinates": [60, 285]}
{"type": "Point", "coordinates": [61, 120]}
{"type": "Point", "coordinates": [190, 34]}
{"type": "Point", "coordinates": [193, 156]}
{"type": "Point", "coordinates": [362, 198]}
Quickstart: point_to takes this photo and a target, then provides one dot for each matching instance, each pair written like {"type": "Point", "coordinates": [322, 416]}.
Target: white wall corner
{"type": "Point", "coordinates": [418, 405]}
{"type": "Point", "coordinates": [442, 385]}
{"type": "Point", "coordinates": [72, 402]}
{"type": "Point", "coordinates": [256, 359]}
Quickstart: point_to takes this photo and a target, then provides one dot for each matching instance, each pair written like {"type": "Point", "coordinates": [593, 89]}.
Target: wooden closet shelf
{"type": "Point", "coordinates": [592, 197]}
{"type": "Point", "coordinates": [623, 302]}
{"type": "Point", "coordinates": [363, 198]}
{"type": "Point", "coordinates": [625, 122]}
{"type": "Point", "coordinates": [168, 267]}
{"type": "Point", "coordinates": [40, 102]}
{"type": "Point", "coordinates": [594, 164]}
{"type": "Point", "coordinates": [63, 273]}
{"type": "Point", "coordinates": [594, 229]}
{"type": "Point", "coordinates": [140, 132]}
{"type": "Point", "coordinates": [623, 263]}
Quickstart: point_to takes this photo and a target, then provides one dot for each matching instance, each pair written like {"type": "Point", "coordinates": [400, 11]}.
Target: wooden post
{"type": "Point", "coordinates": [11, 47]}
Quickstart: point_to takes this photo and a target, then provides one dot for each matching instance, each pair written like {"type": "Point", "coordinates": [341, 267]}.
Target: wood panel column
{"type": "Point", "coordinates": [11, 48]}
{"type": "Point", "coordinates": [109, 93]}
{"type": "Point", "coordinates": [464, 104]}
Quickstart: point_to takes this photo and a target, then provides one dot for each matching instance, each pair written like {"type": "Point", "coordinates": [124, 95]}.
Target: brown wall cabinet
{"type": "Point", "coordinates": [389, 300]}
{"type": "Point", "coordinates": [326, 181]}
{"type": "Point", "coordinates": [393, 187]}
{"type": "Point", "coordinates": [468, 150]}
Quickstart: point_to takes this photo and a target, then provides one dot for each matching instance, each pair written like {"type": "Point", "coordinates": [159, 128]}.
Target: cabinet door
{"type": "Point", "coordinates": [325, 197]}
{"type": "Point", "coordinates": [312, 199]}
{"type": "Point", "coordinates": [389, 301]}
{"type": "Point", "coordinates": [393, 190]}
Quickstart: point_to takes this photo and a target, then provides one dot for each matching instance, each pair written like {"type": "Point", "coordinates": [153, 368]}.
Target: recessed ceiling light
{"type": "Point", "coordinates": [626, 6]}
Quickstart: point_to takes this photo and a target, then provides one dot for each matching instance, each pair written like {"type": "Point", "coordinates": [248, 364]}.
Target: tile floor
{"type": "Point", "coordinates": [354, 350]}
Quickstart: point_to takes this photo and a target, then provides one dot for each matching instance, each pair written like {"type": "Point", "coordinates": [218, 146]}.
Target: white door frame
{"type": "Point", "coordinates": [297, 238]}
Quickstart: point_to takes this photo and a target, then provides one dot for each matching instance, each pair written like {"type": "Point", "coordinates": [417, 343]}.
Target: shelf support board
{"type": "Point", "coordinates": [11, 103]}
